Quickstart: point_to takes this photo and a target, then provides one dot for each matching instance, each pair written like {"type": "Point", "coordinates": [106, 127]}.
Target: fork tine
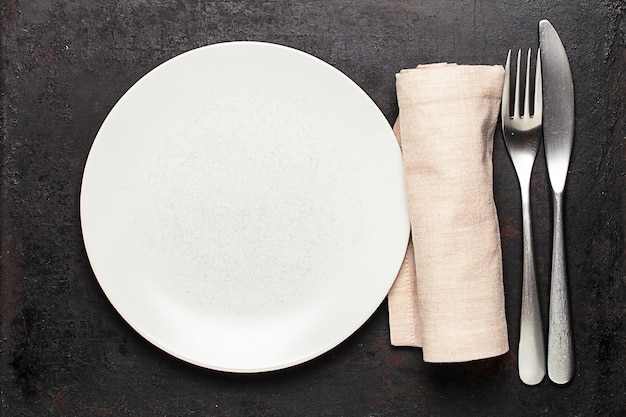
{"type": "Point", "coordinates": [538, 90]}
{"type": "Point", "coordinates": [517, 81]}
{"type": "Point", "coordinates": [527, 90]}
{"type": "Point", "coordinates": [506, 89]}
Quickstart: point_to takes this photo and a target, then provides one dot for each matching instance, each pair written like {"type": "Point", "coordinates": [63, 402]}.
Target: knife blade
{"type": "Point", "coordinates": [558, 104]}
{"type": "Point", "coordinates": [558, 132]}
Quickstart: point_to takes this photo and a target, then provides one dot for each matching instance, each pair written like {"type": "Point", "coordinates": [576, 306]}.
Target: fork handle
{"type": "Point", "coordinates": [531, 352]}
{"type": "Point", "coordinates": [560, 347]}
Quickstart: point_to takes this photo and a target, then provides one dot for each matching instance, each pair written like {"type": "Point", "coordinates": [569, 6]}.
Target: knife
{"type": "Point", "coordinates": [558, 134]}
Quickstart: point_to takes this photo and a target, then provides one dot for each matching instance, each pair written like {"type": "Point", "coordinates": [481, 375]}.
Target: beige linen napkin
{"type": "Point", "coordinates": [448, 297]}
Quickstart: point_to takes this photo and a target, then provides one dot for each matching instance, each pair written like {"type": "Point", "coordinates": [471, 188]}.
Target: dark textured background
{"type": "Point", "coordinates": [66, 352]}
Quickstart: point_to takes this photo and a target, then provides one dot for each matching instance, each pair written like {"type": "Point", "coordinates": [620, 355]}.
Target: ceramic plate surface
{"type": "Point", "coordinates": [243, 207]}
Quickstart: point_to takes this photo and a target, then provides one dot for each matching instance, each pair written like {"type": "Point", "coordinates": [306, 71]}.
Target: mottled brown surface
{"type": "Point", "coordinates": [64, 351]}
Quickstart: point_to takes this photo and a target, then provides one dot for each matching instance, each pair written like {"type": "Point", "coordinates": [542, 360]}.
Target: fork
{"type": "Point", "coordinates": [522, 133]}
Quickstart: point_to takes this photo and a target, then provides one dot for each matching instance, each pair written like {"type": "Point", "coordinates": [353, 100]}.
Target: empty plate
{"type": "Point", "coordinates": [243, 207]}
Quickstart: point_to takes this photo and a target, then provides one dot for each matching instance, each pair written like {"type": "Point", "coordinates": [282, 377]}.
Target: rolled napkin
{"type": "Point", "coordinates": [448, 297]}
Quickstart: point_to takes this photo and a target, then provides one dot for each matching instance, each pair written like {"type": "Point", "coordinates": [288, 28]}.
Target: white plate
{"type": "Point", "coordinates": [243, 207]}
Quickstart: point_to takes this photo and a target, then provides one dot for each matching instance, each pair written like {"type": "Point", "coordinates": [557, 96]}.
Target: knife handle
{"type": "Point", "coordinates": [560, 347]}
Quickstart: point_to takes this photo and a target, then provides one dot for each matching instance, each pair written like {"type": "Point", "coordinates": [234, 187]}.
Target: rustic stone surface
{"type": "Point", "coordinates": [65, 351]}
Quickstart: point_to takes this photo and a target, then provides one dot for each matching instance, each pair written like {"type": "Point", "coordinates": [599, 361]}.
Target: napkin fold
{"type": "Point", "coordinates": [448, 297]}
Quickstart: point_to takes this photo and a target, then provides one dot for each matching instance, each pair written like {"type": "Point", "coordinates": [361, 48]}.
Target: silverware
{"type": "Point", "coordinates": [558, 134]}
{"type": "Point", "coordinates": [522, 133]}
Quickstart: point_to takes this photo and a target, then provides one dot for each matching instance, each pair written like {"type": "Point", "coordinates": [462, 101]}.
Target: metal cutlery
{"type": "Point", "coordinates": [522, 134]}
{"type": "Point", "coordinates": [558, 133]}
